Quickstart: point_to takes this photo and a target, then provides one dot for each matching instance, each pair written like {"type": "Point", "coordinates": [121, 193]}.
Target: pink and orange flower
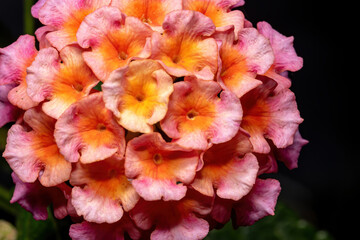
{"type": "Point", "coordinates": [153, 119]}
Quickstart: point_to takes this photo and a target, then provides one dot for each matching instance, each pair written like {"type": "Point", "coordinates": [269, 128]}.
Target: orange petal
{"type": "Point", "coordinates": [138, 94]}
{"type": "Point", "coordinates": [61, 78]}
{"type": "Point", "coordinates": [32, 152]}
{"type": "Point", "coordinates": [88, 132]}
{"type": "Point", "coordinates": [114, 40]}
{"type": "Point", "coordinates": [185, 49]}
{"type": "Point", "coordinates": [102, 191]}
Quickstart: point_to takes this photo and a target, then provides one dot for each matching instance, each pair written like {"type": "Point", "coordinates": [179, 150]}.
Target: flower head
{"type": "Point", "coordinates": [149, 119]}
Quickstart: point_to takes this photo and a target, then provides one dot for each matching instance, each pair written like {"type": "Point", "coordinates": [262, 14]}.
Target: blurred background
{"type": "Point", "coordinates": [317, 199]}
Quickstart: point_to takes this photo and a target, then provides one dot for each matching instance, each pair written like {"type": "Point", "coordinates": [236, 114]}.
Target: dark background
{"type": "Point", "coordinates": [323, 188]}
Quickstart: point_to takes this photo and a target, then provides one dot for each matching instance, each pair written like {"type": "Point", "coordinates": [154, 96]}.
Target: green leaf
{"type": "Point", "coordinates": [98, 86]}
{"type": "Point", "coordinates": [29, 22]}
{"type": "Point", "coordinates": [285, 225]}
{"type": "Point", "coordinates": [29, 229]}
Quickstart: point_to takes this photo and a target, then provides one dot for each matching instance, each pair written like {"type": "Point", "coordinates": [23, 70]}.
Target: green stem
{"type": "Point", "coordinates": [29, 22]}
{"type": "Point", "coordinates": [5, 205]}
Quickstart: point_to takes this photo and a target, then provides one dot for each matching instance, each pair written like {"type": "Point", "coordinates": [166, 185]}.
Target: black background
{"type": "Point", "coordinates": [324, 187]}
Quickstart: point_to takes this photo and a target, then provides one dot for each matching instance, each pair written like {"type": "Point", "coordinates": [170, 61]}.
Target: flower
{"type": "Point", "coordinates": [151, 12]}
{"type": "Point", "coordinates": [101, 190]}
{"type": "Point", "coordinates": [61, 78]}
{"type": "Point", "coordinates": [219, 11]}
{"type": "Point", "coordinates": [228, 167]}
{"type": "Point", "coordinates": [89, 134]}
{"type": "Point", "coordinates": [114, 40]}
{"type": "Point", "coordinates": [150, 119]}
{"type": "Point", "coordinates": [186, 48]}
{"type": "Point", "coordinates": [174, 219]}
{"type": "Point", "coordinates": [65, 17]}
{"type": "Point", "coordinates": [32, 153]}
{"type": "Point", "coordinates": [243, 59]}
{"type": "Point", "coordinates": [14, 60]}
{"type": "Point", "coordinates": [159, 169]}
{"type": "Point", "coordinates": [270, 114]}
{"type": "Point", "coordinates": [36, 198]}
{"type": "Point", "coordinates": [196, 114]}
{"type": "Point", "coordinates": [138, 95]}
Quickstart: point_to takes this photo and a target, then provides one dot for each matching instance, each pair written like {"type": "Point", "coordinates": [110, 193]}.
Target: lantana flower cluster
{"type": "Point", "coordinates": [152, 119]}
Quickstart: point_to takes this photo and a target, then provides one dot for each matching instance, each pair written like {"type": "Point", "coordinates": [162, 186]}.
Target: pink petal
{"type": "Point", "coordinates": [228, 167]}
{"type": "Point", "coordinates": [174, 219]}
{"type": "Point", "coordinates": [14, 60]}
{"type": "Point", "coordinates": [36, 198]}
{"type": "Point", "coordinates": [259, 203]}
{"type": "Point", "coordinates": [286, 58]}
{"type": "Point", "coordinates": [8, 112]}
{"type": "Point", "coordinates": [94, 231]}
{"type": "Point", "coordinates": [290, 154]}
{"type": "Point", "coordinates": [36, 8]}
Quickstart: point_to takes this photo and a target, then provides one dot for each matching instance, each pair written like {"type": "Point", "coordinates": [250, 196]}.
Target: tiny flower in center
{"type": "Point", "coordinates": [157, 159]}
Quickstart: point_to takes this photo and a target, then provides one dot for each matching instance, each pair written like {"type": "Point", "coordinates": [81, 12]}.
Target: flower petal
{"type": "Point", "coordinates": [159, 169]}
{"type": "Point", "coordinates": [102, 191]}
{"type": "Point", "coordinates": [286, 58]}
{"type": "Point", "coordinates": [33, 153]}
{"type": "Point", "coordinates": [36, 198]}
{"type": "Point", "coordinates": [14, 59]}
{"type": "Point", "coordinates": [89, 132]}
{"type": "Point", "coordinates": [260, 202]}
{"type": "Point", "coordinates": [65, 16]}
{"type": "Point", "coordinates": [114, 40]}
{"type": "Point", "coordinates": [8, 112]}
{"type": "Point", "coordinates": [290, 154]}
{"type": "Point", "coordinates": [62, 78]}
{"type": "Point", "coordinates": [227, 169]}
{"type": "Point", "coordinates": [138, 94]}
{"type": "Point", "coordinates": [151, 12]}
{"type": "Point", "coordinates": [184, 49]}
{"type": "Point", "coordinates": [219, 12]}
{"type": "Point", "coordinates": [270, 114]}
{"type": "Point", "coordinates": [114, 231]}
{"type": "Point", "coordinates": [242, 60]}
{"type": "Point", "coordinates": [197, 116]}
{"type": "Point", "coordinates": [178, 220]}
